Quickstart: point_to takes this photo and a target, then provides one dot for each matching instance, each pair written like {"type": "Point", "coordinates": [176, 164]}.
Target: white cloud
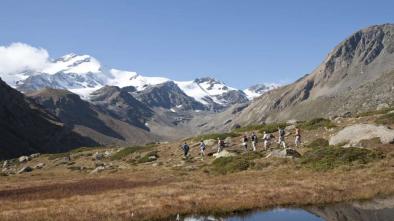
{"type": "Point", "coordinates": [19, 57]}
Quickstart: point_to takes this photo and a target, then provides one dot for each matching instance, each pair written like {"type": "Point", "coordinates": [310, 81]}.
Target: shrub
{"type": "Point", "coordinates": [316, 124]}
{"type": "Point", "coordinates": [385, 119]}
{"type": "Point", "coordinates": [224, 165]}
{"type": "Point", "coordinates": [325, 158]}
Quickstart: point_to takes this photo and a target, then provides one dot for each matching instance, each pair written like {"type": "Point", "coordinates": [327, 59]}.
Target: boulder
{"type": "Point", "coordinates": [382, 106]}
{"type": "Point", "coordinates": [210, 142]}
{"type": "Point", "coordinates": [23, 159]}
{"type": "Point", "coordinates": [35, 155]}
{"type": "Point", "coordinates": [352, 135]}
{"type": "Point", "coordinates": [227, 141]}
{"type": "Point", "coordinates": [285, 153]}
{"type": "Point", "coordinates": [25, 169]}
{"type": "Point", "coordinates": [224, 153]}
{"type": "Point", "coordinates": [97, 170]}
{"type": "Point", "coordinates": [39, 166]}
{"type": "Point", "coordinates": [291, 127]}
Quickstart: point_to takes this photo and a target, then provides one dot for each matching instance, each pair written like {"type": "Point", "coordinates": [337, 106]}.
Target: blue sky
{"type": "Point", "coordinates": [239, 42]}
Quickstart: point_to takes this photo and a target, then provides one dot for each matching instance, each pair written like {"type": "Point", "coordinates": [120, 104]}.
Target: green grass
{"type": "Point", "coordinates": [386, 119]}
{"type": "Point", "coordinates": [215, 136]}
{"type": "Point", "coordinates": [319, 142]}
{"type": "Point", "coordinates": [146, 159]}
{"type": "Point", "coordinates": [224, 165]}
{"type": "Point", "coordinates": [269, 128]}
{"type": "Point", "coordinates": [130, 150]}
{"type": "Point", "coordinates": [316, 124]}
{"type": "Point", "coordinates": [326, 158]}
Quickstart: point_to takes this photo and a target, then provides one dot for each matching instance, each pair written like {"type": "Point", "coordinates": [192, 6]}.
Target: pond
{"type": "Point", "coordinates": [372, 210]}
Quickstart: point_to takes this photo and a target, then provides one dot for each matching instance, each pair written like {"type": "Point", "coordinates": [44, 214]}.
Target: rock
{"type": "Point", "coordinates": [390, 112]}
{"type": "Point", "coordinates": [25, 169]}
{"type": "Point", "coordinates": [292, 122]}
{"type": "Point", "coordinates": [346, 114]}
{"type": "Point", "coordinates": [291, 127]}
{"type": "Point", "coordinates": [210, 142]}
{"type": "Point", "coordinates": [23, 159]}
{"type": "Point", "coordinates": [152, 158]}
{"type": "Point", "coordinates": [352, 135]}
{"type": "Point", "coordinates": [224, 153]}
{"type": "Point", "coordinates": [35, 155]}
{"type": "Point", "coordinates": [98, 156]}
{"type": "Point", "coordinates": [39, 166]}
{"type": "Point", "coordinates": [338, 120]}
{"type": "Point", "coordinates": [97, 170]}
{"type": "Point", "coordinates": [227, 141]}
{"type": "Point", "coordinates": [286, 153]}
{"type": "Point", "coordinates": [382, 106]}
{"type": "Point", "coordinates": [107, 154]}
{"type": "Point", "coordinates": [5, 164]}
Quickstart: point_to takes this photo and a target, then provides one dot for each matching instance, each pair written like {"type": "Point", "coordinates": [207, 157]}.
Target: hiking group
{"type": "Point", "coordinates": [267, 142]}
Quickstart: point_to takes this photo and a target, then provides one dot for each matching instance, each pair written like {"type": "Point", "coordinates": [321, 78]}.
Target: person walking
{"type": "Point", "coordinates": [267, 140]}
{"type": "Point", "coordinates": [297, 137]}
{"type": "Point", "coordinates": [202, 149]}
{"type": "Point", "coordinates": [221, 144]}
{"type": "Point", "coordinates": [281, 140]}
{"type": "Point", "coordinates": [245, 142]}
{"type": "Point", "coordinates": [254, 141]}
{"type": "Point", "coordinates": [185, 149]}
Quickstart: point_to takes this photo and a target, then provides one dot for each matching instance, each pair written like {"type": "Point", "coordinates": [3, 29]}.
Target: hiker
{"type": "Point", "coordinates": [202, 149]}
{"type": "Point", "coordinates": [281, 140]}
{"type": "Point", "coordinates": [221, 144]}
{"type": "Point", "coordinates": [267, 140]}
{"type": "Point", "coordinates": [254, 141]}
{"type": "Point", "coordinates": [245, 142]}
{"type": "Point", "coordinates": [297, 137]}
{"type": "Point", "coordinates": [185, 149]}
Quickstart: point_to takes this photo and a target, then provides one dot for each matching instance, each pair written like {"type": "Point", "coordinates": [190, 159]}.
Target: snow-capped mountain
{"type": "Point", "coordinates": [83, 74]}
{"type": "Point", "coordinates": [259, 89]}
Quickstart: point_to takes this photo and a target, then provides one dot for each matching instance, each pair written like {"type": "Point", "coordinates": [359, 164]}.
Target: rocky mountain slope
{"type": "Point", "coordinates": [25, 127]}
{"type": "Point", "coordinates": [357, 75]}
{"type": "Point", "coordinates": [89, 120]}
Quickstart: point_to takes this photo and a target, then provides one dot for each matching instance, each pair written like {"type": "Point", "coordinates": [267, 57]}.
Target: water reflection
{"type": "Point", "coordinates": [372, 210]}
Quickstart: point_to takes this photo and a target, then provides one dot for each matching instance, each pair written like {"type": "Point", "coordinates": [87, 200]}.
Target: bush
{"type": "Point", "coordinates": [319, 142]}
{"type": "Point", "coordinates": [316, 124]}
{"type": "Point", "coordinates": [215, 136]}
{"type": "Point", "coordinates": [224, 165]}
{"type": "Point", "coordinates": [385, 119]}
{"type": "Point", "coordinates": [325, 158]}
{"type": "Point", "coordinates": [58, 155]}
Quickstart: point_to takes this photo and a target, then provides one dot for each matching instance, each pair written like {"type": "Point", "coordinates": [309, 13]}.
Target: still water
{"type": "Point", "coordinates": [372, 210]}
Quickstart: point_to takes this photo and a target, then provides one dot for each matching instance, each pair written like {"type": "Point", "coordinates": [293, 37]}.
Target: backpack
{"type": "Point", "coordinates": [254, 138]}
{"type": "Point", "coordinates": [221, 142]}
